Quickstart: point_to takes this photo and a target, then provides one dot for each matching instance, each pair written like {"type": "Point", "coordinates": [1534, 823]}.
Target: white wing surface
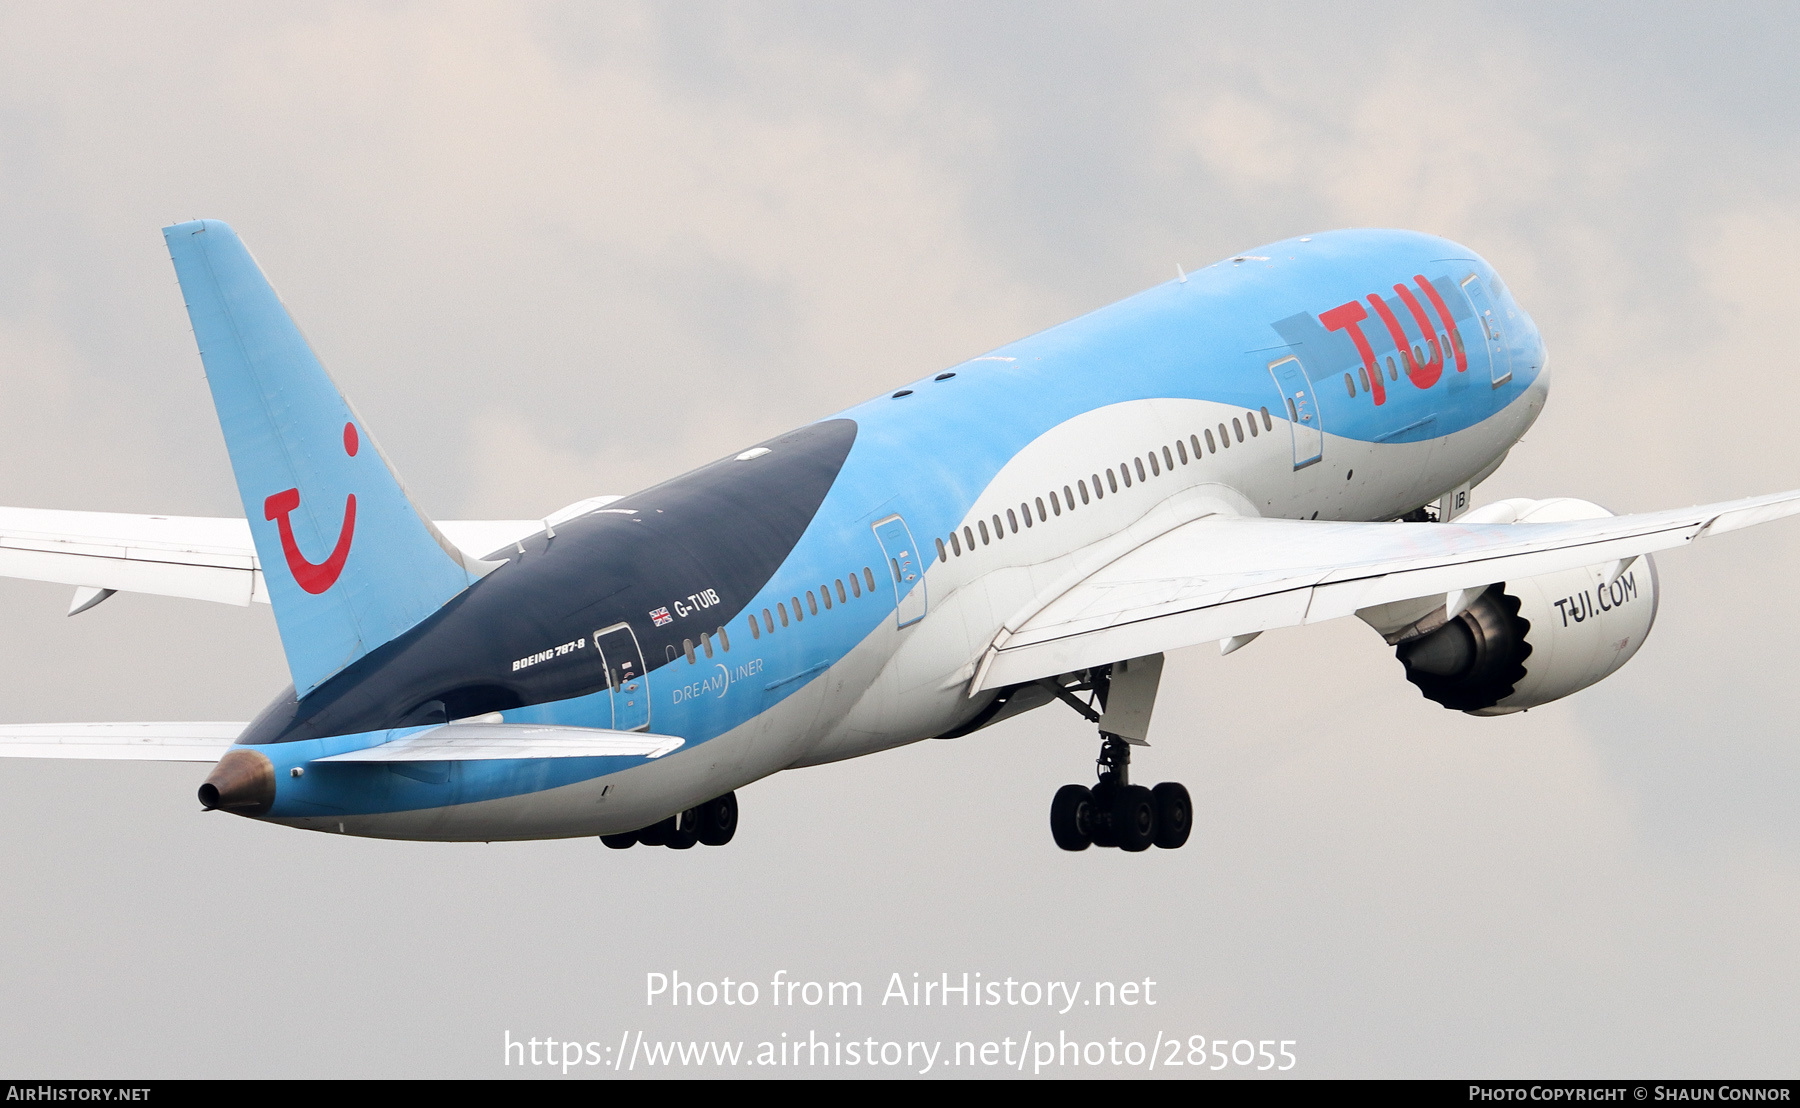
{"type": "Point", "coordinates": [142, 742]}
{"type": "Point", "coordinates": [461, 742]}
{"type": "Point", "coordinates": [195, 557]}
{"type": "Point", "coordinates": [1219, 577]}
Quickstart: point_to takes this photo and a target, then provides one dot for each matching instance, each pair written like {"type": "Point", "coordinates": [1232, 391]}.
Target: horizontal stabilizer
{"type": "Point", "coordinates": [142, 742]}
{"type": "Point", "coordinates": [193, 557]}
{"type": "Point", "coordinates": [464, 742]}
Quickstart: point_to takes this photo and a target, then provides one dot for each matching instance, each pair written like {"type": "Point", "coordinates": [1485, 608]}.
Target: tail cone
{"type": "Point", "coordinates": [242, 782]}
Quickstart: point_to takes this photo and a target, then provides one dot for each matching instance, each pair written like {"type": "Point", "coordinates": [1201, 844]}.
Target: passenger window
{"type": "Point", "coordinates": [1181, 451]}
{"type": "Point", "coordinates": [724, 640]}
{"type": "Point", "coordinates": [968, 541]}
{"type": "Point", "coordinates": [1155, 470]}
{"type": "Point", "coordinates": [855, 585]}
{"type": "Point", "coordinates": [1293, 416]}
{"type": "Point", "coordinates": [1042, 515]}
{"type": "Point", "coordinates": [1125, 473]}
{"type": "Point", "coordinates": [812, 606]}
{"type": "Point", "coordinates": [1012, 521]}
{"type": "Point", "coordinates": [1055, 507]}
{"type": "Point", "coordinates": [706, 644]}
{"type": "Point", "coordinates": [869, 578]}
{"type": "Point", "coordinates": [1139, 464]}
{"type": "Point", "coordinates": [842, 599]}
{"type": "Point", "coordinates": [955, 546]}
{"type": "Point", "coordinates": [781, 607]}
{"type": "Point", "coordinates": [1195, 440]}
{"type": "Point", "coordinates": [687, 647]}
{"type": "Point", "coordinates": [1112, 483]}
{"type": "Point", "coordinates": [1168, 459]}
{"type": "Point", "coordinates": [1268, 424]}
{"type": "Point", "coordinates": [1418, 356]}
{"type": "Point", "coordinates": [1250, 418]}
{"type": "Point", "coordinates": [755, 628]}
{"type": "Point", "coordinates": [1237, 426]}
{"type": "Point", "coordinates": [1025, 510]}
{"type": "Point", "coordinates": [984, 531]}
{"type": "Point", "coordinates": [1211, 447]}
{"type": "Point", "coordinates": [894, 568]}
{"type": "Point", "coordinates": [942, 555]}
{"type": "Point", "coordinates": [1392, 376]}
{"type": "Point", "coordinates": [825, 595]}
{"type": "Point", "coordinates": [1069, 497]}
{"type": "Point", "coordinates": [769, 621]}
{"type": "Point", "coordinates": [1081, 484]}
{"type": "Point", "coordinates": [1224, 437]}
{"type": "Point", "coordinates": [999, 531]}
{"type": "Point", "coordinates": [1362, 375]}
{"type": "Point", "coordinates": [1349, 386]}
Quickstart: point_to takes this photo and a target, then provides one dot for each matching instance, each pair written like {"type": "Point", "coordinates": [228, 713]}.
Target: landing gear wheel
{"type": "Point", "coordinates": [657, 834]}
{"type": "Point", "coordinates": [1101, 828]}
{"type": "Point", "coordinates": [1071, 817]}
{"type": "Point", "coordinates": [1134, 818]}
{"type": "Point", "coordinates": [1174, 814]}
{"type": "Point", "coordinates": [684, 834]}
{"type": "Point", "coordinates": [716, 820]}
{"type": "Point", "coordinates": [620, 842]}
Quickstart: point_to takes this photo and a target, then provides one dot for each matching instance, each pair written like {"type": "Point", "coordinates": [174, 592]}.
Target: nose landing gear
{"type": "Point", "coordinates": [1117, 813]}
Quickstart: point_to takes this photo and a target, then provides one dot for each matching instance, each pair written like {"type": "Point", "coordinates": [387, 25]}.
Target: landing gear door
{"type": "Point", "coordinates": [905, 568]}
{"type": "Point", "coordinates": [1493, 329]}
{"type": "Point", "coordinates": [1302, 410]}
{"type": "Point", "coordinates": [625, 677]}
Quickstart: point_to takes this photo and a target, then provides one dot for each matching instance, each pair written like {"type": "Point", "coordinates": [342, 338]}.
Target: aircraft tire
{"type": "Point", "coordinates": [1101, 827]}
{"type": "Point", "coordinates": [620, 842]}
{"type": "Point", "coordinates": [1134, 818]}
{"type": "Point", "coordinates": [683, 834]}
{"type": "Point", "coordinates": [1070, 817]}
{"type": "Point", "coordinates": [1174, 814]}
{"type": "Point", "coordinates": [717, 820]}
{"type": "Point", "coordinates": [658, 833]}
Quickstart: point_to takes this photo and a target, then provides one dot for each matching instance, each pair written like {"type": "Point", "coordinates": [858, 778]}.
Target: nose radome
{"type": "Point", "coordinates": [242, 782]}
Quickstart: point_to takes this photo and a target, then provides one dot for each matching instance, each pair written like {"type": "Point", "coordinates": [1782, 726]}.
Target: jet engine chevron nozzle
{"type": "Point", "coordinates": [242, 782]}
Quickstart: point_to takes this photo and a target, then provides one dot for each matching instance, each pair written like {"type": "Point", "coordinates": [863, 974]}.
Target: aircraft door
{"type": "Point", "coordinates": [905, 568]}
{"type": "Point", "coordinates": [1302, 410]}
{"type": "Point", "coordinates": [625, 677]}
{"type": "Point", "coordinates": [1492, 329]}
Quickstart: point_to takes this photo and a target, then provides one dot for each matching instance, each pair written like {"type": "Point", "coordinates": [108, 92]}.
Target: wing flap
{"type": "Point", "coordinates": [143, 742]}
{"type": "Point", "coordinates": [461, 742]}
{"type": "Point", "coordinates": [1219, 577]}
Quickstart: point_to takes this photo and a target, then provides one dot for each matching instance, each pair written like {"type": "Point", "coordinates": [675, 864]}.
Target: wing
{"type": "Point", "coordinates": [196, 557]}
{"type": "Point", "coordinates": [143, 742]}
{"type": "Point", "coordinates": [1220, 577]}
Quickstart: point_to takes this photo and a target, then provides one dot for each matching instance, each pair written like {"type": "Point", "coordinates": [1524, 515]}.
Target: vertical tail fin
{"type": "Point", "coordinates": [350, 562]}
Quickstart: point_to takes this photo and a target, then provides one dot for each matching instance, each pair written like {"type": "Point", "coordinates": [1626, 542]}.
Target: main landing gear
{"type": "Point", "coordinates": [1117, 813]}
{"type": "Point", "coordinates": [709, 824]}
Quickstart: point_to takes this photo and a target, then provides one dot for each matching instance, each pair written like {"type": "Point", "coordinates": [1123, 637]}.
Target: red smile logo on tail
{"type": "Point", "coordinates": [314, 578]}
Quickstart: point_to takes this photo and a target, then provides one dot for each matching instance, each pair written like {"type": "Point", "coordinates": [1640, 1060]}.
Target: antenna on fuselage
{"type": "Point", "coordinates": [1180, 274]}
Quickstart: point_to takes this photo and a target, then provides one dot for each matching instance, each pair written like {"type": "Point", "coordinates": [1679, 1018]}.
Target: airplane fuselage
{"type": "Point", "coordinates": [830, 592]}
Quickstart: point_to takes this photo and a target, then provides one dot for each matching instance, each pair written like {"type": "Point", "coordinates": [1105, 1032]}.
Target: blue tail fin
{"type": "Point", "coordinates": [349, 562]}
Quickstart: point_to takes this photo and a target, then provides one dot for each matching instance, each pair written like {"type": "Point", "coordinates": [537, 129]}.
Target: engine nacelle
{"type": "Point", "coordinates": [1527, 642]}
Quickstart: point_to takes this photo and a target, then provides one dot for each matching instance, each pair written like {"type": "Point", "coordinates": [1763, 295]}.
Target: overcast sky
{"type": "Point", "coordinates": [553, 251]}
